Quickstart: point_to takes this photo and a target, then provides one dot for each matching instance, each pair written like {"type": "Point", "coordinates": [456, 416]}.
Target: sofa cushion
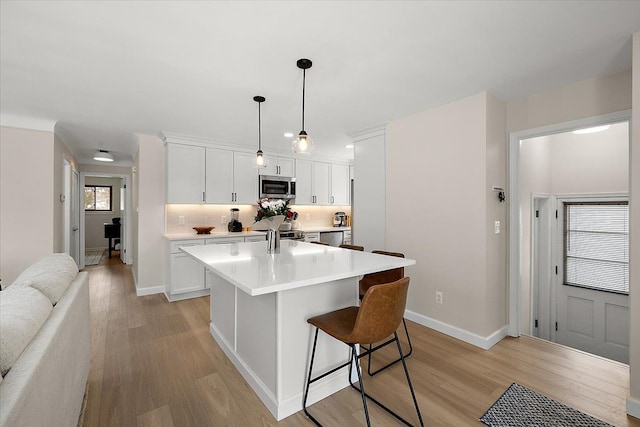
{"type": "Point", "coordinates": [51, 275]}
{"type": "Point", "coordinates": [23, 310]}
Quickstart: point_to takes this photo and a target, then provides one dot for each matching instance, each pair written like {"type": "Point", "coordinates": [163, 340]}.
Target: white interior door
{"type": "Point", "coordinates": [74, 204]}
{"type": "Point", "coordinates": [591, 319]}
{"type": "Point", "coordinates": [542, 216]}
{"type": "Point", "coordinates": [123, 221]}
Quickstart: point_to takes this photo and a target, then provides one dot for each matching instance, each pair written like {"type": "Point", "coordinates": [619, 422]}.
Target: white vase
{"type": "Point", "coordinates": [273, 223]}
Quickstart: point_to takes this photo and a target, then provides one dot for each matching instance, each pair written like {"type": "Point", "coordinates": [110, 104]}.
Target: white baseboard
{"type": "Point", "coordinates": [280, 410]}
{"type": "Point", "coordinates": [151, 290]}
{"type": "Point", "coordinates": [484, 343]}
{"type": "Point", "coordinates": [633, 407]}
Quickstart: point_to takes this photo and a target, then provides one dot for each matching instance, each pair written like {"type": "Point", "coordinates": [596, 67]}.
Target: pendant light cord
{"type": "Point", "coordinates": [259, 129]}
{"type": "Point", "coordinates": [304, 74]}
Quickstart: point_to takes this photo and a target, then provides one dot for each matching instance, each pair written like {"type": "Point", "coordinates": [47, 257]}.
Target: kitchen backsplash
{"type": "Point", "coordinates": [212, 215]}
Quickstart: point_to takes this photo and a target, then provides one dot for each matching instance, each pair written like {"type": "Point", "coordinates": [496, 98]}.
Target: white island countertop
{"type": "Point", "coordinates": [249, 267]}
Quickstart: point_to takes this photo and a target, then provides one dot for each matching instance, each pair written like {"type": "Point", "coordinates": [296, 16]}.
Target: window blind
{"type": "Point", "coordinates": [596, 245]}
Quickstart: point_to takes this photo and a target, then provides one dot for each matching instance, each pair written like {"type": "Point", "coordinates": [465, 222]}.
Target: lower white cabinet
{"type": "Point", "coordinates": [186, 278]}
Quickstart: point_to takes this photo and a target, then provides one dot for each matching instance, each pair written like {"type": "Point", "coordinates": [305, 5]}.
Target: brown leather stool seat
{"type": "Point", "coordinates": [352, 247]}
{"type": "Point", "coordinates": [319, 243]}
{"type": "Point", "coordinates": [378, 317]}
{"type": "Point", "coordinates": [387, 276]}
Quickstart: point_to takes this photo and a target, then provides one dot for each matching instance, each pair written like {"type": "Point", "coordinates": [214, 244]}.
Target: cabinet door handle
{"type": "Point", "coordinates": [333, 200]}
{"type": "Point", "coordinates": [203, 199]}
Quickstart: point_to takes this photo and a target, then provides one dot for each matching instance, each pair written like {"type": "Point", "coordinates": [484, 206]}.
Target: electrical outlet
{"type": "Point", "coordinates": [181, 220]}
{"type": "Point", "coordinates": [223, 219]}
{"type": "Point", "coordinates": [439, 298]}
{"type": "Point", "coordinates": [496, 227]}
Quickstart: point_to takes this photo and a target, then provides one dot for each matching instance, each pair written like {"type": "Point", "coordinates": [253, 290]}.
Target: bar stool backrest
{"type": "Point", "coordinates": [392, 275]}
{"type": "Point", "coordinates": [380, 312]}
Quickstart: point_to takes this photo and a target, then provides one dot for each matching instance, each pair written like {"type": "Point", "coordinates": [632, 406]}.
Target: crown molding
{"type": "Point", "coordinates": [30, 123]}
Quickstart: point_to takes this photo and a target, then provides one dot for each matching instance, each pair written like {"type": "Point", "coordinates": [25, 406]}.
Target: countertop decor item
{"type": "Point", "coordinates": [203, 229]}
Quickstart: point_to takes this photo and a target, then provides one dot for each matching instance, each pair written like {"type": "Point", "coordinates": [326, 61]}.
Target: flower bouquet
{"type": "Point", "coordinates": [271, 214]}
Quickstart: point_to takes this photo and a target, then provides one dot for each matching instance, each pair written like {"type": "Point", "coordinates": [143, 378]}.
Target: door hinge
{"type": "Point", "coordinates": [537, 213]}
{"type": "Point", "coordinates": [556, 269]}
{"type": "Point", "coordinates": [535, 325]}
{"type": "Point", "coordinates": [556, 326]}
{"type": "Point", "coordinates": [556, 213]}
{"type": "Point", "coordinates": [125, 186]}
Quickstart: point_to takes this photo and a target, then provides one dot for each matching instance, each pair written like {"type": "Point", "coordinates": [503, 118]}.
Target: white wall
{"type": "Point", "coordinates": [26, 199]}
{"type": "Point", "coordinates": [60, 154]}
{"type": "Point", "coordinates": [94, 221]}
{"type": "Point", "coordinates": [441, 165]}
{"type": "Point", "coordinates": [567, 163]}
{"type": "Point", "coordinates": [149, 221]}
{"type": "Point", "coordinates": [633, 404]}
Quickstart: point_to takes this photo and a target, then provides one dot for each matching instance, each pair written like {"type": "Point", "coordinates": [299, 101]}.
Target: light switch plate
{"type": "Point", "coordinates": [496, 227]}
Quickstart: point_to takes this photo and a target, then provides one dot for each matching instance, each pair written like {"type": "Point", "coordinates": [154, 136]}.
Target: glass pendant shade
{"type": "Point", "coordinates": [260, 161]}
{"type": "Point", "coordinates": [303, 144]}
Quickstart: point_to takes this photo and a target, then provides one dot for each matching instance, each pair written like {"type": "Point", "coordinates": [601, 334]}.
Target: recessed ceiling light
{"type": "Point", "coordinates": [348, 146]}
{"type": "Point", "coordinates": [591, 130]}
{"type": "Point", "coordinates": [288, 135]}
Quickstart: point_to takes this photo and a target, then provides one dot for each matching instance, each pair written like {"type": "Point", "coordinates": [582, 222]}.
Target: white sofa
{"type": "Point", "coordinates": [46, 383]}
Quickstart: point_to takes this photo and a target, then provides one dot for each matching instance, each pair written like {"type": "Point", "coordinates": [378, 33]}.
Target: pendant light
{"type": "Point", "coordinates": [261, 161]}
{"type": "Point", "coordinates": [303, 144]}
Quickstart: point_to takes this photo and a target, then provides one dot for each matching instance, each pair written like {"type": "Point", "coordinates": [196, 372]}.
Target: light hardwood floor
{"type": "Point", "coordinates": [153, 363]}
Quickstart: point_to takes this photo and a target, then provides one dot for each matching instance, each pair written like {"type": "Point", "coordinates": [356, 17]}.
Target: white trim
{"type": "Point", "coordinates": [151, 290]}
{"type": "Point", "coordinates": [128, 238]}
{"type": "Point", "coordinates": [633, 407]}
{"type": "Point", "coordinates": [371, 132]}
{"type": "Point", "coordinates": [515, 221]}
{"type": "Point", "coordinates": [293, 404]}
{"type": "Point", "coordinates": [30, 123]}
{"type": "Point", "coordinates": [484, 343]}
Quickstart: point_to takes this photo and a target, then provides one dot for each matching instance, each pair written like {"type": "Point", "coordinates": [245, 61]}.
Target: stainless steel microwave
{"type": "Point", "coordinates": [277, 187]}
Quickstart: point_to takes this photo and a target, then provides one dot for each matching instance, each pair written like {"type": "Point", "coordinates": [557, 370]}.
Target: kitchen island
{"type": "Point", "coordinates": [260, 303]}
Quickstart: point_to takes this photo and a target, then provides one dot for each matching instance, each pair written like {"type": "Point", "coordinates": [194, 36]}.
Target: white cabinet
{"type": "Point", "coordinates": [230, 177]}
{"type": "Point", "coordinates": [320, 183]}
{"type": "Point", "coordinates": [185, 274]}
{"type": "Point", "coordinates": [312, 237]}
{"type": "Point", "coordinates": [185, 173]}
{"type": "Point", "coordinates": [186, 278]}
{"type": "Point", "coordinates": [340, 184]}
{"type": "Point", "coordinates": [279, 166]}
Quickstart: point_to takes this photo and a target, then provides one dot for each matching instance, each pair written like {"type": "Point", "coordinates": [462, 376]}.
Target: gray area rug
{"type": "Point", "coordinates": [93, 257]}
{"type": "Point", "coordinates": [519, 406]}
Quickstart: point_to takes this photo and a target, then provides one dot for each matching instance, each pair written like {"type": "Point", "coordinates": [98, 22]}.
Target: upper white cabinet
{"type": "Point", "coordinates": [320, 183]}
{"type": "Point", "coordinates": [231, 177]}
{"type": "Point", "coordinates": [197, 174]}
{"type": "Point", "coordinates": [340, 184]}
{"type": "Point", "coordinates": [185, 174]}
{"type": "Point", "coordinates": [280, 166]}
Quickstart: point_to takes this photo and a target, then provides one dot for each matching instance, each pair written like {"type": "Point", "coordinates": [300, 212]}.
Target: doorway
{"type": "Point", "coordinates": [567, 170]}
{"type": "Point", "coordinates": [71, 222]}
{"type": "Point", "coordinates": [105, 206]}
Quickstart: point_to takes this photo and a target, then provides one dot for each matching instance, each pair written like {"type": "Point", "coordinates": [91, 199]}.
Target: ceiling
{"type": "Point", "coordinates": [103, 71]}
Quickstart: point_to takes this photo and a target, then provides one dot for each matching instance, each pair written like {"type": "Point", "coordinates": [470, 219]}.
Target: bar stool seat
{"type": "Point", "coordinates": [352, 247]}
{"type": "Point", "coordinates": [378, 316]}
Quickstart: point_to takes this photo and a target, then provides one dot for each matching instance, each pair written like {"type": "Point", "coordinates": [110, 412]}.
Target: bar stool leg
{"type": "Point", "coordinates": [306, 390]}
{"type": "Point", "coordinates": [377, 371]}
{"type": "Point", "coordinates": [355, 359]}
{"type": "Point", "coordinates": [406, 372]}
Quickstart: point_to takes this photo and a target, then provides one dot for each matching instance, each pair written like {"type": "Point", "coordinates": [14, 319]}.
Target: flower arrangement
{"type": "Point", "coordinates": [268, 208]}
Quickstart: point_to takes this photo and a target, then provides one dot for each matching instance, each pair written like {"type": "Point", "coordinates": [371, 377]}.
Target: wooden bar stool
{"type": "Point", "coordinates": [352, 247]}
{"type": "Point", "coordinates": [378, 317]}
{"type": "Point", "coordinates": [372, 279]}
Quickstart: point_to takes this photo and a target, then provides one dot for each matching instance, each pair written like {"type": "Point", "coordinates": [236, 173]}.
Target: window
{"type": "Point", "coordinates": [97, 198]}
{"type": "Point", "coordinates": [596, 245]}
